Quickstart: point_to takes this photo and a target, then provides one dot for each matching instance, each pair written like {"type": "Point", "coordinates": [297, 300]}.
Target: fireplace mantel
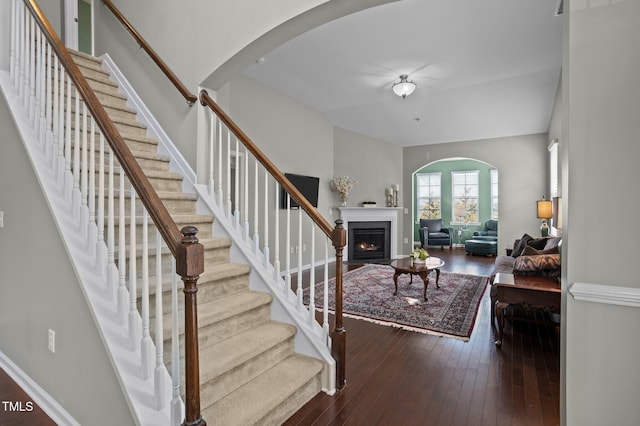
{"type": "Point", "coordinates": [372, 214]}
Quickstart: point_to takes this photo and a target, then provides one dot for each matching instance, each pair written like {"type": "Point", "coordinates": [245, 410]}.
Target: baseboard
{"type": "Point", "coordinates": [45, 401]}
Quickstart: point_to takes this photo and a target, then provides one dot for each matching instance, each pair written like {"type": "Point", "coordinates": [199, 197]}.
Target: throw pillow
{"type": "Point", "coordinates": [538, 243]}
{"type": "Point", "coordinates": [552, 243]}
{"type": "Point", "coordinates": [517, 250]}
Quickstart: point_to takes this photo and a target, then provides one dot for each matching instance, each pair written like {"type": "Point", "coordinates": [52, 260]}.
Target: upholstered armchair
{"type": "Point", "coordinates": [433, 234]}
{"type": "Point", "coordinates": [490, 231]}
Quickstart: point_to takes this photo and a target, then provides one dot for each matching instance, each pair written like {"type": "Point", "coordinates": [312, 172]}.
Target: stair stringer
{"type": "Point", "coordinates": [138, 392]}
{"type": "Point", "coordinates": [309, 339]}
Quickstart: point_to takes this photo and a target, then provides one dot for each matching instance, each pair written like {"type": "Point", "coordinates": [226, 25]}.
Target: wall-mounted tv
{"type": "Point", "coordinates": [307, 185]}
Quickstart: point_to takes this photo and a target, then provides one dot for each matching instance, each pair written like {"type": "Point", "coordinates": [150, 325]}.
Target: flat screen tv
{"type": "Point", "coordinates": [307, 185]}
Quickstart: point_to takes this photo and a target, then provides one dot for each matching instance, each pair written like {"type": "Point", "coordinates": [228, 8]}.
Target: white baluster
{"type": "Point", "coordinates": [325, 299]}
{"type": "Point", "coordinates": [22, 49]}
{"type": "Point", "coordinates": [58, 118]}
{"type": "Point", "coordinates": [68, 183]}
{"type": "Point", "coordinates": [160, 390]}
{"type": "Point", "coordinates": [31, 79]}
{"type": "Point", "coordinates": [134, 326]}
{"type": "Point", "coordinates": [176, 401]}
{"type": "Point", "coordinates": [287, 273]}
{"type": "Point", "coordinates": [246, 195]}
{"type": "Point", "coordinates": [236, 212]}
{"type": "Point", "coordinates": [76, 161]}
{"type": "Point", "coordinates": [49, 100]}
{"type": "Point", "coordinates": [228, 185]}
{"type": "Point", "coordinates": [212, 147]}
{"type": "Point", "coordinates": [92, 229]}
{"type": "Point", "coordinates": [256, 190]}
{"type": "Point", "coordinates": [100, 245]}
{"type": "Point", "coordinates": [14, 38]}
{"type": "Point", "coordinates": [266, 218]}
{"type": "Point", "coordinates": [39, 93]}
{"type": "Point", "coordinates": [112, 270]}
{"type": "Point", "coordinates": [312, 278]}
{"type": "Point", "coordinates": [146, 343]}
{"type": "Point", "coordinates": [123, 294]}
{"type": "Point", "coordinates": [276, 234]}
{"type": "Point", "coordinates": [299, 291]}
{"type": "Point", "coordinates": [220, 195]}
{"type": "Point", "coordinates": [84, 175]}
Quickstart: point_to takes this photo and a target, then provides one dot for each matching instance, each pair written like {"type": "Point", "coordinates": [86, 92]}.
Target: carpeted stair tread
{"type": "Point", "coordinates": [88, 60]}
{"type": "Point", "coordinates": [270, 398]}
{"type": "Point", "coordinates": [231, 353]}
{"type": "Point", "coordinates": [224, 271]}
{"type": "Point", "coordinates": [230, 306]}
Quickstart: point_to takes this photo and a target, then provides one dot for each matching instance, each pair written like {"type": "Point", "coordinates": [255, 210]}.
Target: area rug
{"type": "Point", "coordinates": [450, 310]}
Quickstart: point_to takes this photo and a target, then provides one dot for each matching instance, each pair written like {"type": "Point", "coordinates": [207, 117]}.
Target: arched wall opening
{"type": "Point", "coordinates": [437, 188]}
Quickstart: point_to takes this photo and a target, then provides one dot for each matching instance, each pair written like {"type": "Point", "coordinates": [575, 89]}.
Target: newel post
{"type": "Point", "coordinates": [189, 265]}
{"type": "Point", "coordinates": [339, 334]}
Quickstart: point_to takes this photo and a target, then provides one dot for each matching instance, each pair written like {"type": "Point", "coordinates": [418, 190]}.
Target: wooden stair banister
{"type": "Point", "coordinates": [183, 244]}
{"type": "Point", "coordinates": [189, 97]}
{"type": "Point", "coordinates": [336, 234]}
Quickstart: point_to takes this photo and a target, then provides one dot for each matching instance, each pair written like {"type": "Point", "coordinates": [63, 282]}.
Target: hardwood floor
{"type": "Point", "coordinates": [16, 407]}
{"type": "Point", "coordinates": [397, 377]}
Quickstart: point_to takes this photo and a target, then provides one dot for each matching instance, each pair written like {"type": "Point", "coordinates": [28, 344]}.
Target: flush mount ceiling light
{"type": "Point", "coordinates": [404, 87]}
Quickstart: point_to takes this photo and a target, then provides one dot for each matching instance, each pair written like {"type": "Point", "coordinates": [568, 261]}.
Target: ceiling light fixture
{"type": "Point", "coordinates": [404, 87]}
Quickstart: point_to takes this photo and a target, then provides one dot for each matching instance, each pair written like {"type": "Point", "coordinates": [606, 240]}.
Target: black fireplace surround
{"type": "Point", "coordinates": [369, 242]}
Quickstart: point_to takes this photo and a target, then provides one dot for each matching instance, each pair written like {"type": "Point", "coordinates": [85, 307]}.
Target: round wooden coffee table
{"type": "Point", "coordinates": [405, 266]}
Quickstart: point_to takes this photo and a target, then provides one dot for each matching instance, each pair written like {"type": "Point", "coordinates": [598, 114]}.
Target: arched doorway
{"type": "Point", "coordinates": [463, 192]}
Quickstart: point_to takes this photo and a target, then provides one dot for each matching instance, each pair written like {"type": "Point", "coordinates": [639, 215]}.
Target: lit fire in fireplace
{"type": "Point", "coordinates": [368, 246]}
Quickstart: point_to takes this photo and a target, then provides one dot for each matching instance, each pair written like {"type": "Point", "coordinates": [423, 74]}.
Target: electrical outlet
{"type": "Point", "coordinates": [1, 219]}
{"type": "Point", "coordinates": [406, 240]}
{"type": "Point", "coordinates": [52, 341]}
{"type": "Point", "coordinates": [406, 211]}
{"type": "Point", "coordinates": [304, 247]}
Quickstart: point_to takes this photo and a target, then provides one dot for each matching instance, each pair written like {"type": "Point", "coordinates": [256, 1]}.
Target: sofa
{"type": "Point", "coordinates": [432, 233]}
{"type": "Point", "coordinates": [529, 256]}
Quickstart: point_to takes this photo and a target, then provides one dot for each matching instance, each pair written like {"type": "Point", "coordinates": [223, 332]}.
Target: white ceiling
{"type": "Point", "coordinates": [484, 69]}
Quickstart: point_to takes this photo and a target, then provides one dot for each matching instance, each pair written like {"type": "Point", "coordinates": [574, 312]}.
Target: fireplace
{"type": "Point", "coordinates": [369, 241]}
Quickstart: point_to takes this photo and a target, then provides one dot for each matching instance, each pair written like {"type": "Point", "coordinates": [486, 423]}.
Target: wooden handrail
{"type": "Point", "coordinates": [190, 97]}
{"type": "Point", "coordinates": [319, 220]}
{"type": "Point", "coordinates": [183, 244]}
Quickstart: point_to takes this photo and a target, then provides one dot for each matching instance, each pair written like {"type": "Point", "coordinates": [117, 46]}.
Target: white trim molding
{"type": "Point", "coordinates": [373, 214]}
{"type": "Point", "coordinates": [50, 406]}
{"type": "Point", "coordinates": [607, 294]}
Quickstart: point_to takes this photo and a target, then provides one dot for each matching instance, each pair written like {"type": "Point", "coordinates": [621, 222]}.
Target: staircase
{"type": "Point", "coordinates": [249, 372]}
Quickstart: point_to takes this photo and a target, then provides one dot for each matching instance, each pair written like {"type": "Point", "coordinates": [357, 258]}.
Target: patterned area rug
{"type": "Point", "coordinates": [449, 311]}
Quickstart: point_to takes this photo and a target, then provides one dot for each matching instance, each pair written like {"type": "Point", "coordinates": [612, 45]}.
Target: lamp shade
{"type": "Point", "coordinates": [404, 87]}
{"type": "Point", "coordinates": [545, 210]}
{"type": "Point", "coordinates": [460, 212]}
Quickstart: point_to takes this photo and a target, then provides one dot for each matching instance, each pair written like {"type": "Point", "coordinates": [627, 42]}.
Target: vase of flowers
{"type": "Point", "coordinates": [419, 255]}
{"type": "Point", "coordinates": [342, 185]}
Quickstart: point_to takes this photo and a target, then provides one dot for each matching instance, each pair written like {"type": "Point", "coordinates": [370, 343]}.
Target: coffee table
{"type": "Point", "coordinates": [405, 266]}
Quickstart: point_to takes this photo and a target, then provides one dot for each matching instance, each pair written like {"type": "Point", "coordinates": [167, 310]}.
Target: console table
{"type": "Point", "coordinates": [537, 292]}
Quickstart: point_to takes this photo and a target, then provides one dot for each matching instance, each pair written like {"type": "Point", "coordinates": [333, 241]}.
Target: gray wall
{"type": "Point", "coordinates": [376, 165]}
{"type": "Point", "coordinates": [40, 291]}
{"type": "Point", "coordinates": [601, 68]}
{"type": "Point", "coordinates": [522, 162]}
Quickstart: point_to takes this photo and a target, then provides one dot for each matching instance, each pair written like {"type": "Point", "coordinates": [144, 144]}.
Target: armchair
{"type": "Point", "coordinates": [433, 234]}
{"type": "Point", "coordinates": [490, 231]}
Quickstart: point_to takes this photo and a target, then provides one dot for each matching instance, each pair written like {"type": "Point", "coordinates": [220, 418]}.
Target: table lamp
{"type": "Point", "coordinates": [545, 211]}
